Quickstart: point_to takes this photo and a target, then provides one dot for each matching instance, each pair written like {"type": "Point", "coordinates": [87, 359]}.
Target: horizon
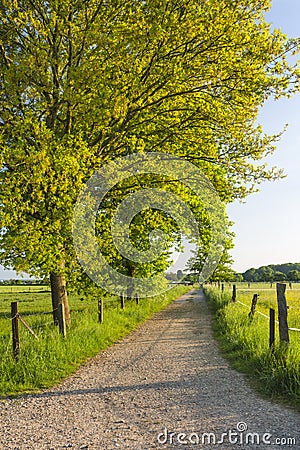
{"type": "Point", "coordinates": [27, 278]}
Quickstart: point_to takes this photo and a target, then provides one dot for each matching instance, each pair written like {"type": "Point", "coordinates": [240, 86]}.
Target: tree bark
{"type": "Point", "coordinates": [130, 286]}
{"type": "Point", "coordinates": [59, 295]}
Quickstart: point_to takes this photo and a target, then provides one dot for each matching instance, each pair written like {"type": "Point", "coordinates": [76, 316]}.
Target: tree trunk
{"type": "Point", "coordinates": [130, 286]}
{"type": "Point", "coordinates": [59, 295]}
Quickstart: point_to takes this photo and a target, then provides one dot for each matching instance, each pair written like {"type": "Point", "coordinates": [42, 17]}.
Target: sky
{"type": "Point", "coordinates": [267, 225]}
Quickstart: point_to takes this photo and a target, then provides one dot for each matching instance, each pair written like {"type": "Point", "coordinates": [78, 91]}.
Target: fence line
{"type": "Point", "coordinates": [15, 317]}
{"type": "Point", "coordinates": [265, 315]}
{"type": "Point", "coordinates": [38, 313]}
{"type": "Point", "coordinates": [27, 326]}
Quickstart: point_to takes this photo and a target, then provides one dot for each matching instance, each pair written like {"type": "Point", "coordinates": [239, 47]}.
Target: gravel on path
{"type": "Point", "coordinates": [164, 386]}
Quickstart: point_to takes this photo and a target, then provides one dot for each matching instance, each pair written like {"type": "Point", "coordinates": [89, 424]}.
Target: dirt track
{"type": "Point", "coordinates": [166, 377]}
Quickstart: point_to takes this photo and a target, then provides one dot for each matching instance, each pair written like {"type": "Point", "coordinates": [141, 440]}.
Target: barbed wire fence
{"type": "Point", "coordinates": [282, 321]}
{"type": "Point", "coordinates": [16, 317]}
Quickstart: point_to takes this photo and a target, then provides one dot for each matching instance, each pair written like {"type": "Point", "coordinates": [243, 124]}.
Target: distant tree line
{"type": "Point", "coordinates": [274, 272]}
{"type": "Point", "coordinates": [13, 282]}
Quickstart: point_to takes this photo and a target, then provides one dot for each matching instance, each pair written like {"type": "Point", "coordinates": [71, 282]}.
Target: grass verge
{"type": "Point", "coordinates": [245, 343]}
{"type": "Point", "coordinates": [43, 363]}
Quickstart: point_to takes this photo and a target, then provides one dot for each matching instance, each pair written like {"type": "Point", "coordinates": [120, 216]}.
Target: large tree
{"type": "Point", "coordinates": [223, 271]}
{"type": "Point", "coordinates": [84, 82]}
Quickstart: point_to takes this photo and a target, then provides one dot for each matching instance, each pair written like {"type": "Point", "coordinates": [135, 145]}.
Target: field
{"type": "Point", "coordinates": [267, 299]}
{"type": "Point", "coordinates": [23, 289]}
{"type": "Point", "coordinates": [44, 362]}
{"type": "Point", "coordinates": [246, 342]}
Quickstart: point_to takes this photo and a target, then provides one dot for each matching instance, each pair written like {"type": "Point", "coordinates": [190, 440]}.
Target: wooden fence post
{"type": "Point", "coordinates": [272, 328]}
{"type": "Point", "coordinates": [15, 329]}
{"type": "Point", "coordinates": [136, 298]}
{"type": "Point", "coordinates": [222, 287]}
{"type": "Point", "coordinates": [100, 310]}
{"type": "Point", "coordinates": [122, 299]}
{"type": "Point", "coordinates": [61, 319]}
{"type": "Point", "coordinates": [233, 298]}
{"type": "Point", "coordinates": [253, 306]}
{"type": "Point", "coordinates": [282, 313]}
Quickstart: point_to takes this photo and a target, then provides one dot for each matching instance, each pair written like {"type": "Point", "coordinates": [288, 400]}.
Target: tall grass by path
{"type": "Point", "coordinates": [45, 362]}
{"type": "Point", "coordinates": [246, 343]}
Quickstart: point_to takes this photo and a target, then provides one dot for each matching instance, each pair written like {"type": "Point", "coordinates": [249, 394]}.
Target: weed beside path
{"type": "Point", "coordinates": [276, 372]}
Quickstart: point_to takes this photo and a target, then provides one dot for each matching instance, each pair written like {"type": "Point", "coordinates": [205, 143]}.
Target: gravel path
{"type": "Point", "coordinates": [166, 377]}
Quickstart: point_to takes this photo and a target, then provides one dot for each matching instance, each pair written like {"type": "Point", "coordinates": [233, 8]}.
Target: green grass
{"type": "Point", "coordinates": [44, 362]}
{"type": "Point", "coordinates": [246, 343]}
{"type": "Point", "coordinates": [23, 288]}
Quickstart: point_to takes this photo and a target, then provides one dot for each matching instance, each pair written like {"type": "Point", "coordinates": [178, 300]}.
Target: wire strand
{"type": "Point", "coordinates": [265, 315]}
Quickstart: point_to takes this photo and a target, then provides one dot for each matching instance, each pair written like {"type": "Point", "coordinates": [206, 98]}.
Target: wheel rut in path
{"type": "Point", "coordinates": [166, 377]}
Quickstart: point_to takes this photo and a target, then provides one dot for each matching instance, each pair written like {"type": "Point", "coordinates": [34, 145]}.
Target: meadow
{"type": "Point", "coordinates": [275, 372]}
{"type": "Point", "coordinates": [44, 362]}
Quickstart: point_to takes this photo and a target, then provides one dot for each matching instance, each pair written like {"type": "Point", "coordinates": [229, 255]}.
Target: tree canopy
{"type": "Point", "coordinates": [85, 82]}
